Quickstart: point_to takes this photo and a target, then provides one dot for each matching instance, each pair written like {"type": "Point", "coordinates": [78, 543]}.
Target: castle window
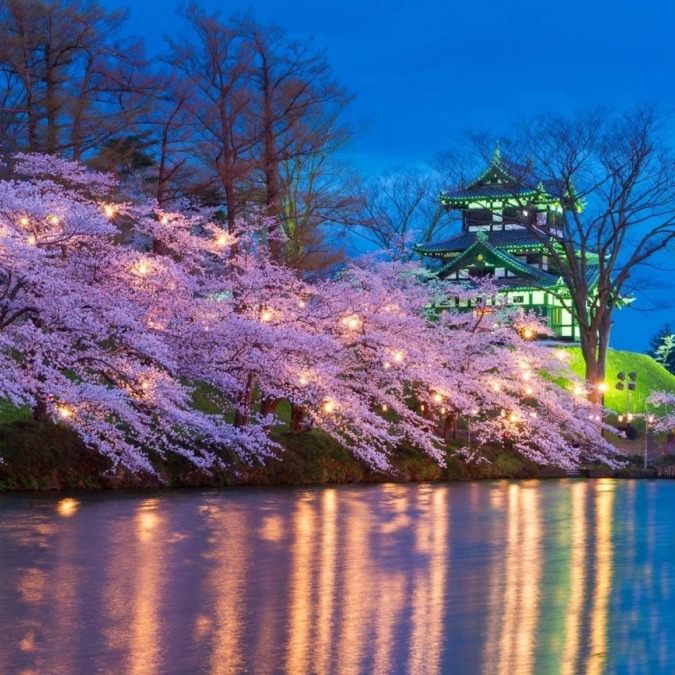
{"type": "Point", "coordinates": [518, 299]}
{"type": "Point", "coordinates": [481, 272]}
{"type": "Point", "coordinates": [477, 217]}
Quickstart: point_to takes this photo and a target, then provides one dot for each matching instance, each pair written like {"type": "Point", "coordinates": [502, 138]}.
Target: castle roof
{"type": "Point", "coordinates": [520, 238]}
{"type": "Point", "coordinates": [501, 181]}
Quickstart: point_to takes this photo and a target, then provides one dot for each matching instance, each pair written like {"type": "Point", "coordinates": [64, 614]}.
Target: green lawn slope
{"type": "Point", "coordinates": [651, 376]}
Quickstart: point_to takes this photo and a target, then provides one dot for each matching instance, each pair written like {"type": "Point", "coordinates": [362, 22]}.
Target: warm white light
{"type": "Point", "coordinates": [387, 365]}
{"type": "Point", "coordinates": [513, 417]}
{"type": "Point", "coordinates": [109, 210]}
{"type": "Point", "coordinates": [24, 222]}
{"type": "Point", "coordinates": [329, 406]}
{"type": "Point", "coordinates": [528, 391]}
{"type": "Point", "coordinates": [650, 419]}
{"type": "Point", "coordinates": [630, 417]}
{"type": "Point", "coordinates": [31, 240]}
{"type": "Point", "coordinates": [54, 220]}
{"type": "Point", "coordinates": [398, 356]}
{"type": "Point", "coordinates": [496, 386]}
{"type": "Point", "coordinates": [474, 412]}
{"type": "Point", "coordinates": [443, 411]}
{"type": "Point", "coordinates": [266, 316]}
{"type": "Point", "coordinates": [437, 398]}
{"type": "Point", "coordinates": [620, 418]}
{"type": "Point", "coordinates": [353, 323]}
{"type": "Point", "coordinates": [527, 375]}
{"type": "Point", "coordinates": [302, 304]}
{"type": "Point", "coordinates": [578, 391]}
{"type": "Point", "coordinates": [303, 380]}
{"type": "Point", "coordinates": [145, 385]}
{"type": "Point", "coordinates": [533, 414]}
{"type": "Point", "coordinates": [143, 268]}
{"type": "Point", "coordinates": [221, 239]}
{"type": "Point", "coordinates": [602, 387]}
{"type": "Point", "coordinates": [65, 412]}
{"type": "Point", "coordinates": [528, 333]}
{"type": "Point", "coordinates": [384, 407]}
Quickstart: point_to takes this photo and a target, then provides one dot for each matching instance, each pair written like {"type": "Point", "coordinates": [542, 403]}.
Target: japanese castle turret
{"type": "Point", "coordinates": [508, 218]}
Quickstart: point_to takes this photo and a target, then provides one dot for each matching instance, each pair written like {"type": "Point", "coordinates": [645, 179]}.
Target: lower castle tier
{"type": "Point", "coordinates": [520, 267]}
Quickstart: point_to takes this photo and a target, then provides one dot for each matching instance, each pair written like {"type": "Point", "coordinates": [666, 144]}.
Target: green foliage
{"type": "Point", "coordinates": [47, 456]}
{"type": "Point", "coordinates": [662, 347]}
{"type": "Point", "coordinates": [10, 413]}
{"type": "Point", "coordinates": [665, 353]}
{"type": "Point", "coordinates": [651, 376]}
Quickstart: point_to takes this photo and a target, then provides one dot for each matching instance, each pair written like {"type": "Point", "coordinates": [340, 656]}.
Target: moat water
{"type": "Point", "coordinates": [493, 577]}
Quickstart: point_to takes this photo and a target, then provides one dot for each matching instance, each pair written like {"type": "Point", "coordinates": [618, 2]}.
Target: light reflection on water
{"type": "Point", "coordinates": [502, 577]}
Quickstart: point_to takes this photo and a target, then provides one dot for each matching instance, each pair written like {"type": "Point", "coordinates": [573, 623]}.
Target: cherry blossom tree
{"type": "Point", "coordinates": [77, 338]}
{"type": "Point", "coordinates": [113, 315]}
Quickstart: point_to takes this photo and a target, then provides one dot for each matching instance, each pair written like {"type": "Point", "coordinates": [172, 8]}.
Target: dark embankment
{"type": "Point", "coordinates": [47, 456]}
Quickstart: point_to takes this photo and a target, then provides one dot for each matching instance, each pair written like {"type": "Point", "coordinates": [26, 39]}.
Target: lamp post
{"type": "Point", "coordinates": [621, 376]}
{"type": "Point", "coordinates": [602, 388]}
{"type": "Point", "coordinates": [648, 420]}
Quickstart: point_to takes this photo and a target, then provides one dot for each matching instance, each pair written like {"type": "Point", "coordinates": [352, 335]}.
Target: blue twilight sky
{"type": "Point", "coordinates": [423, 72]}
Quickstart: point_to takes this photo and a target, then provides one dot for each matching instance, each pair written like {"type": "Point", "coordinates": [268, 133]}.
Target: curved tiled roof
{"type": "Point", "coordinates": [462, 241]}
{"type": "Point", "coordinates": [504, 179]}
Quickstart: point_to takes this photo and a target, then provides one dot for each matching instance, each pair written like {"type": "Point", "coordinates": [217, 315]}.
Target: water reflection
{"type": "Point", "coordinates": [515, 592]}
{"type": "Point", "coordinates": [569, 576]}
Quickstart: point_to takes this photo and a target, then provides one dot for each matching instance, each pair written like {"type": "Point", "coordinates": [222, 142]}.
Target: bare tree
{"type": "Point", "coordinates": [266, 114]}
{"type": "Point", "coordinates": [399, 209]}
{"type": "Point", "coordinates": [170, 128]}
{"type": "Point", "coordinates": [69, 82]}
{"type": "Point", "coordinates": [613, 175]}
{"type": "Point", "coordinates": [295, 114]}
{"type": "Point", "coordinates": [317, 202]}
{"type": "Point", "coordinates": [216, 66]}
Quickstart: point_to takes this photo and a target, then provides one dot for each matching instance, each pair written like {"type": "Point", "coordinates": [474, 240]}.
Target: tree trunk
{"type": "Point", "coordinates": [297, 425]}
{"type": "Point", "coordinates": [50, 103]}
{"type": "Point", "coordinates": [40, 411]}
{"type": "Point", "coordinates": [450, 427]}
{"type": "Point", "coordinates": [595, 375]}
{"type": "Point", "coordinates": [243, 415]}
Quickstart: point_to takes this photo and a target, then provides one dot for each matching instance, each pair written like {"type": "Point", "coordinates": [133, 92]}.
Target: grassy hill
{"type": "Point", "coordinates": [651, 376]}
